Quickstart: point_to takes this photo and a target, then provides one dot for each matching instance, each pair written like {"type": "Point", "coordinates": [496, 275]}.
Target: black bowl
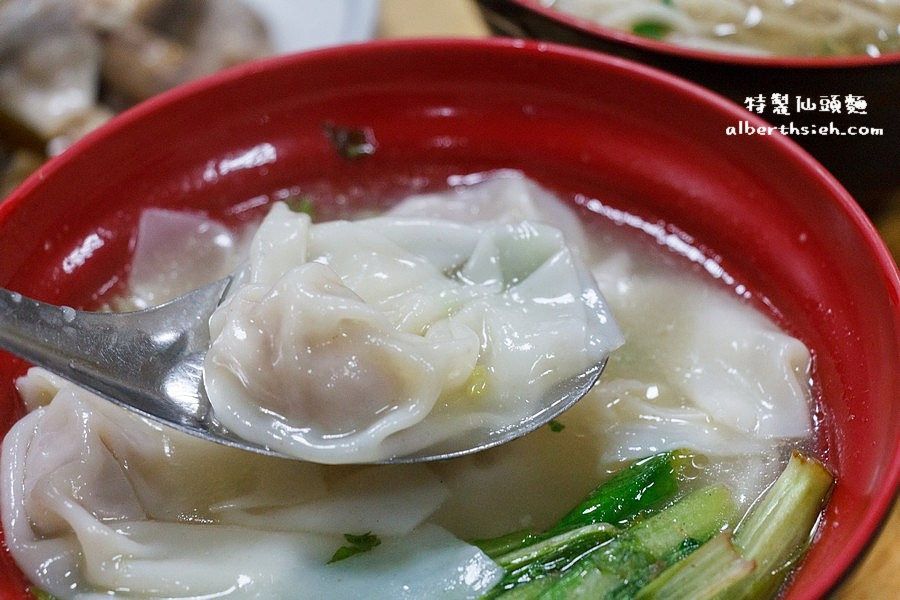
{"type": "Point", "coordinates": [866, 163]}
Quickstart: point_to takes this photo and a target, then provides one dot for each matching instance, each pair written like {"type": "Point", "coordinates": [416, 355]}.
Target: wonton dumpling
{"type": "Point", "coordinates": [358, 341]}
{"type": "Point", "coordinates": [334, 372]}
{"type": "Point", "coordinates": [99, 500]}
{"type": "Point", "coordinates": [706, 372]}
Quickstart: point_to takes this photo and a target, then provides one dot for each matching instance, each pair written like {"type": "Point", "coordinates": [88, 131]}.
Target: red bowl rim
{"type": "Point", "coordinates": [618, 36]}
{"type": "Point", "coordinates": [881, 501]}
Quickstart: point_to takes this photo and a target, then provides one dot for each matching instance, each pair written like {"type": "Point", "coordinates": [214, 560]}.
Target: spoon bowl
{"type": "Point", "coordinates": [151, 362]}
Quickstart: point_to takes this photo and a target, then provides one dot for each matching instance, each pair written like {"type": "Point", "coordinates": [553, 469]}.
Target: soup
{"type": "Point", "coordinates": [757, 27]}
{"type": "Point", "coordinates": [97, 500]}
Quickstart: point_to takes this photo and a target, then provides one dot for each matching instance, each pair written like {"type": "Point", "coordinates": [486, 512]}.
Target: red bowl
{"type": "Point", "coordinates": [585, 125]}
{"type": "Point", "coordinates": [867, 165]}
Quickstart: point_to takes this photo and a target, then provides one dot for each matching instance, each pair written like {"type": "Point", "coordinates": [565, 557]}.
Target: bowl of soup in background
{"type": "Point", "coordinates": [605, 134]}
{"type": "Point", "coordinates": [817, 100]}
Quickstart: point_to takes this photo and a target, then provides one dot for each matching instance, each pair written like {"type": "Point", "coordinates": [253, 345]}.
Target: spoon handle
{"type": "Point", "coordinates": [134, 359]}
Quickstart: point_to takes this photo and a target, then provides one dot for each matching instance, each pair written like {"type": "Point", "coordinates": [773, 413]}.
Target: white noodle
{"type": "Point", "coordinates": [757, 27]}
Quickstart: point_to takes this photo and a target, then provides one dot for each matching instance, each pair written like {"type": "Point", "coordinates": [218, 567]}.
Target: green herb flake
{"type": "Point", "coordinates": [358, 544]}
{"type": "Point", "coordinates": [667, 2]}
{"type": "Point", "coordinates": [555, 426]}
{"type": "Point", "coordinates": [351, 143]}
{"type": "Point", "coordinates": [39, 594]}
{"type": "Point", "coordinates": [301, 204]}
{"type": "Point", "coordinates": [651, 29]}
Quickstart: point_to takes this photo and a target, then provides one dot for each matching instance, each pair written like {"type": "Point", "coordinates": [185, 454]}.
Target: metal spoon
{"type": "Point", "coordinates": [151, 362]}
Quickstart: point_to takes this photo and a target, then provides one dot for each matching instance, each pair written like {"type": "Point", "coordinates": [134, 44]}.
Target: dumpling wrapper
{"type": "Point", "coordinates": [159, 271]}
{"type": "Point", "coordinates": [97, 499]}
{"type": "Point", "coordinates": [352, 342]}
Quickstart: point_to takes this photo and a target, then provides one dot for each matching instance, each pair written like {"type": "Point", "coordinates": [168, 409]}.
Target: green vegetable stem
{"type": "Point", "coordinates": [528, 556]}
{"type": "Point", "coordinates": [638, 487]}
{"type": "Point", "coordinates": [766, 545]}
{"type": "Point", "coordinates": [628, 539]}
{"type": "Point", "coordinates": [620, 567]}
{"type": "Point", "coordinates": [777, 530]}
